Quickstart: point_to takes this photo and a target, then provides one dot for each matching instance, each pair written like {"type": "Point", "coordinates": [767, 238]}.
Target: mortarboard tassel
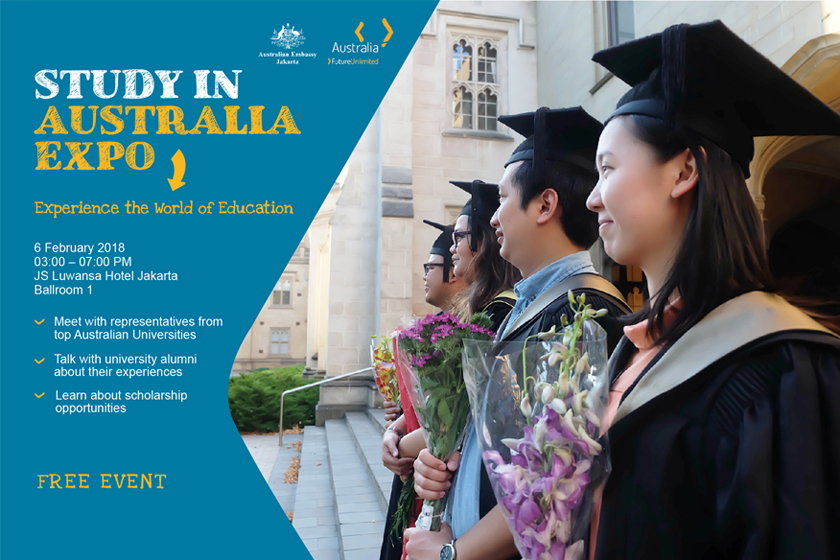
{"type": "Point", "coordinates": [540, 142]}
{"type": "Point", "coordinates": [674, 46]}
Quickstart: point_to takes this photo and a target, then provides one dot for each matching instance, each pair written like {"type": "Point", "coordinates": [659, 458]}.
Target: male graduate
{"type": "Point", "coordinates": [544, 228]}
{"type": "Point", "coordinates": [442, 286]}
{"type": "Point", "coordinates": [439, 278]}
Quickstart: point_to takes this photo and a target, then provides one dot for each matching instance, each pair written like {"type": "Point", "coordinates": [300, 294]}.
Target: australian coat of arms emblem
{"type": "Point", "coordinates": [288, 37]}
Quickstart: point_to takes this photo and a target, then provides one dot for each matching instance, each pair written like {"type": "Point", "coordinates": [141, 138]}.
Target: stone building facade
{"type": "Point", "coordinates": [278, 336]}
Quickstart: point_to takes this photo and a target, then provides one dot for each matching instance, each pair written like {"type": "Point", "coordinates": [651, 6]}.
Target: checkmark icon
{"type": "Point", "coordinates": [41, 321]}
{"type": "Point", "coordinates": [41, 395]}
{"type": "Point", "coordinates": [39, 361]}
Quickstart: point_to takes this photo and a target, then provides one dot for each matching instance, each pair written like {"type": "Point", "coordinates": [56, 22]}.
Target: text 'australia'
{"type": "Point", "coordinates": [354, 48]}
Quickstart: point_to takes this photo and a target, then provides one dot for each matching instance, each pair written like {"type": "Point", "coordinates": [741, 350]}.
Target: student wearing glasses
{"type": "Point", "coordinates": [442, 287]}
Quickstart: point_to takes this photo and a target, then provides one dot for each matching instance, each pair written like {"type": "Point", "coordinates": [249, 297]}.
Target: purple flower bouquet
{"type": "Point", "coordinates": [430, 351]}
{"type": "Point", "coordinates": [537, 407]}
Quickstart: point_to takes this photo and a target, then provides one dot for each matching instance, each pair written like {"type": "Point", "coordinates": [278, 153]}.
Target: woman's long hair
{"type": "Point", "coordinates": [723, 252]}
{"type": "Point", "coordinates": [491, 275]}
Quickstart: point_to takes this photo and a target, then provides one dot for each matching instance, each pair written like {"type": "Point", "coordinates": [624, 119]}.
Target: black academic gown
{"type": "Point", "coordinates": [740, 461]}
{"type": "Point", "coordinates": [499, 308]}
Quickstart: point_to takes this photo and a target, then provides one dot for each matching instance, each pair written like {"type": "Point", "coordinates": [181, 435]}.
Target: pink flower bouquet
{"type": "Point", "coordinates": [430, 351]}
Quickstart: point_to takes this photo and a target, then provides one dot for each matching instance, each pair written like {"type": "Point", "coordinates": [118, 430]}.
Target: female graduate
{"type": "Point", "coordinates": [725, 403]}
{"type": "Point", "coordinates": [476, 257]}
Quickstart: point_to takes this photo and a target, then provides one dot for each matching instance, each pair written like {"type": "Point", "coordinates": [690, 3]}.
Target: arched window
{"type": "Point", "coordinates": [284, 343]}
{"type": "Point", "coordinates": [474, 104]}
{"type": "Point", "coordinates": [283, 295]}
{"type": "Point", "coordinates": [487, 63]}
{"type": "Point", "coordinates": [487, 110]}
{"type": "Point", "coordinates": [462, 61]}
{"type": "Point", "coordinates": [279, 342]}
{"type": "Point", "coordinates": [462, 108]}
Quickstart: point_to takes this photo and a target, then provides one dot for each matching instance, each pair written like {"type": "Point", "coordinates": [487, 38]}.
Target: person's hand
{"type": "Point", "coordinates": [426, 545]}
{"type": "Point", "coordinates": [392, 411]}
{"type": "Point", "coordinates": [400, 466]}
{"type": "Point", "coordinates": [432, 476]}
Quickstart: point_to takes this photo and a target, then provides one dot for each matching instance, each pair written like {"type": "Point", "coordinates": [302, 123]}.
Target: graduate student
{"type": "Point", "coordinates": [442, 287]}
{"type": "Point", "coordinates": [442, 284]}
{"type": "Point", "coordinates": [725, 399]}
{"type": "Point", "coordinates": [477, 259]}
{"type": "Point", "coordinates": [544, 229]}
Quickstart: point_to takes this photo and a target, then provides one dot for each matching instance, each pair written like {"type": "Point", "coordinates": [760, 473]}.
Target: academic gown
{"type": "Point", "coordinates": [498, 311]}
{"type": "Point", "coordinates": [740, 460]}
{"type": "Point", "coordinates": [499, 308]}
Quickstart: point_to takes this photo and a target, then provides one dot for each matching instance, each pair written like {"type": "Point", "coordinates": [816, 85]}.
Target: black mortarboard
{"type": "Point", "coordinates": [484, 200]}
{"type": "Point", "coordinates": [717, 85]}
{"type": "Point", "coordinates": [441, 246]}
{"type": "Point", "coordinates": [569, 135]}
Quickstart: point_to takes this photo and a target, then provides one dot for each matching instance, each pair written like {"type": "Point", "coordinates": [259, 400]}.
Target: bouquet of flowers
{"type": "Point", "coordinates": [538, 407]}
{"type": "Point", "coordinates": [382, 358]}
{"type": "Point", "coordinates": [430, 351]}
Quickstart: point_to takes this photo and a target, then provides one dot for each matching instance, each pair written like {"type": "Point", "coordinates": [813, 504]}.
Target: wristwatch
{"type": "Point", "coordinates": [448, 551]}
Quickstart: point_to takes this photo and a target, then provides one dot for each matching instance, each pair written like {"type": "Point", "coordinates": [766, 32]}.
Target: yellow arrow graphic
{"type": "Point", "coordinates": [41, 395]}
{"type": "Point", "coordinates": [390, 31]}
{"type": "Point", "coordinates": [39, 361]}
{"type": "Point", "coordinates": [180, 166]}
{"type": "Point", "coordinates": [359, 35]}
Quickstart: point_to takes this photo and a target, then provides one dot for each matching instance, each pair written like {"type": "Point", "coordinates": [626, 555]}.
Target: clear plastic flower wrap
{"type": "Point", "coordinates": [384, 368]}
{"type": "Point", "coordinates": [538, 406]}
{"type": "Point", "coordinates": [430, 351]}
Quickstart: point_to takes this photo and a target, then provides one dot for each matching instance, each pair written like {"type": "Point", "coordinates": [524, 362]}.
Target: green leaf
{"type": "Point", "coordinates": [444, 413]}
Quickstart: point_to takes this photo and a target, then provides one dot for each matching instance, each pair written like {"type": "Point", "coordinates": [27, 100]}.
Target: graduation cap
{"type": "Point", "coordinates": [441, 246]}
{"type": "Point", "coordinates": [569, 135]}
{"type": "Point", "coordinates": [714, 83]}
{"type": "Point", "coordinates": [484, 200]}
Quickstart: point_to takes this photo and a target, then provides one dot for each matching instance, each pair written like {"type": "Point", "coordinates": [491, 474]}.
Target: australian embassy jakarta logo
{"type": "Point", "coordinates": [287, 37]}
{"type": "Point", "coordinates": [289, 40]}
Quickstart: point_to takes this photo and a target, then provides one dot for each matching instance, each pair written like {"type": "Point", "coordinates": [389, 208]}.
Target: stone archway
{"type": "Point", "coordinates": [796, 184]}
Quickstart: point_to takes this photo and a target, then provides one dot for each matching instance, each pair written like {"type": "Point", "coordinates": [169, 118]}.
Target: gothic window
{"type": "Point", "coordinates": [475, 95]}
{"type": "Point", "coordinates": [282, 297]}
{"type": "Point", "coordinates": [462, 62]}
{"type": "Point", "coordinates": [279, 342]}
{"type": "Point", "coordinates": [487, 63]}
{"type": "Point", "coordinates": [487, 104]}
{"type": "Point", "coordinates": [462, 108]}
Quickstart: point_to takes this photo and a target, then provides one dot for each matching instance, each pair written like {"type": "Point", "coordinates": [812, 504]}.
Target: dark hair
{"type": "Point", "coordinates": [492, 273]}
{"type": "Point", "coordinates": [723, 250]}
{"type": "Point", "coordinates": [573, 186]}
